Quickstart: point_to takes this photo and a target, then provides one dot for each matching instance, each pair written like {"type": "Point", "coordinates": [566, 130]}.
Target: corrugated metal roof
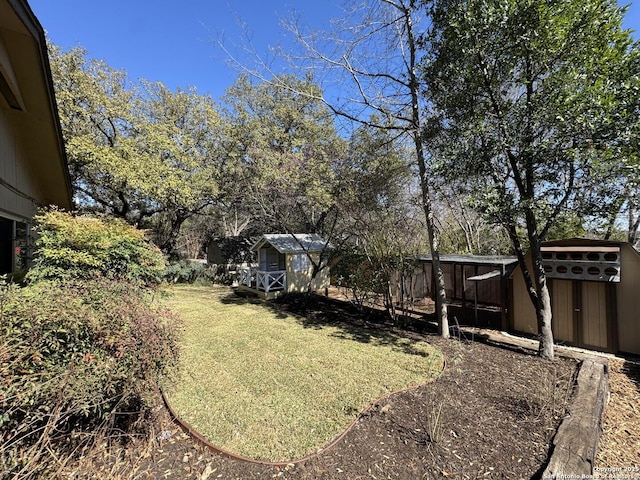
{"type": "Point", "coordinates": [293, 243]}
{"type": "Point", "coordinates": [473, 259]}
{"type": "Point", "coordinates": [486, 276]}
{"type": "Point", "coordinates": [581, 242]}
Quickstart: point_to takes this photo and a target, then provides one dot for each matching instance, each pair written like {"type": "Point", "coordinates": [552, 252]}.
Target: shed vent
{"type": "Point", "coordinates": [597, 264]}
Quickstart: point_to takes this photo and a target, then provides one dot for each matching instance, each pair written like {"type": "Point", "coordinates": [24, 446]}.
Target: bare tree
{"type": "Point", "coordinates": [372, 56]}
{"type": "Point", "coordinates": [375, 46]}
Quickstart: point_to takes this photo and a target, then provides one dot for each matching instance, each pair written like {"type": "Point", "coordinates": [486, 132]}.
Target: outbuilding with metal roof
{"type": "Point", "coordinates": [287, 263]}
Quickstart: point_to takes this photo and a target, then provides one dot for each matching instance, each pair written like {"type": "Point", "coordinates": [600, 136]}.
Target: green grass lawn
{"type": "Point", "coordinates": [269, 385]}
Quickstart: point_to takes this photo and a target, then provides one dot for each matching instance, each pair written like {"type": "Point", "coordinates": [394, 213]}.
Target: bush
{"type": "Point", "coordinates": [82, 346]}
{"type": "Point", "coordinates": [83, 247]}
{"type": "Point", "coordinates": [73, 358]}
{"type": "Point", "coordinates": [188, 271]}
{"type": "Point", "coordinates": [355, 272]}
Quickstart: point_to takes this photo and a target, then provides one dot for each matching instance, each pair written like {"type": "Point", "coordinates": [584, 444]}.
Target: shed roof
{"type": "Point", "coordinates": [473, 259]}
{"type": "Point", "coordinates": [486, 276]}
{"type": "Point", "coordinates": [587, 245]}
{"type": "Point", "coordinates": [233, 242]}
{"type": "Point", "coordinates": [582, 242]}
{"type": "Point", "coordinates": [293, 242]}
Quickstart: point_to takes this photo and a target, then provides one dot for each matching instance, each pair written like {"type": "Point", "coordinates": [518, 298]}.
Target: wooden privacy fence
{"type": "Point", "coordinates": [471, 281]}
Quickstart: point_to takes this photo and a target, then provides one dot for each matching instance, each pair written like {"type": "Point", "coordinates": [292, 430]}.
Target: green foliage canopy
{"type": "Point", "coordinates": [137, 151]}
{"type": "Point", "coordinates": [286, 152]}
{"type": "Point", "coordinates": [526, 96]}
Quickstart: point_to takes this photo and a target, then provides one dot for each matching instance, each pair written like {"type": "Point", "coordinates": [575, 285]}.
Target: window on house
{"type": "Point", "coordinates": [22, 247]}
{"type": "Point", "coordinates": [300, 262]}
{"type": "Point", "coordinates": [15, 246]}
{"type": "Point", "coordinates": [6, 245]}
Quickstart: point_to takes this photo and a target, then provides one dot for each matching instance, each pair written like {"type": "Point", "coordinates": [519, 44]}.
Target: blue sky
{"type": "Point", "coordinates": [176, 42]}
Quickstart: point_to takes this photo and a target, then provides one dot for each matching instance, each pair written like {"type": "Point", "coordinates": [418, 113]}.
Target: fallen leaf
{"type": "Point", "coordinates": [207, 472]}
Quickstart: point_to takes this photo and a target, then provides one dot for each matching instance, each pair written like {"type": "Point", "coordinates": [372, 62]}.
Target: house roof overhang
{"type": "Point", "coordinates": [27, 95]}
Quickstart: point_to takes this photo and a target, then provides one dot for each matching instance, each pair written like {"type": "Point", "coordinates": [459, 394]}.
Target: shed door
{"type": "Point", "coordinates": [563, 309]}
{"type": "Point", "coordinates": [594, 314]}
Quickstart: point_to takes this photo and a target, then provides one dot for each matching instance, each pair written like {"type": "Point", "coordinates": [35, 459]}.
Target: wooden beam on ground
{"type": "Point", "coordinates": [576, 441]}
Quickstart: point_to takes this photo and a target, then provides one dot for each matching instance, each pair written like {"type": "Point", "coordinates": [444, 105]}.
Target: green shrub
{"type": "Point", "coordinates": [357, 274]}
{"type": "Point", "coordinates": [73, 358]}
{"type": "Point", "coordinates": [82, 247]}
{"type": "Point", "coordinates": [188, 271]}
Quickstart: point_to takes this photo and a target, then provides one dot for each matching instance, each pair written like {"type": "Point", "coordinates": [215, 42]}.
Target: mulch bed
{"type": "Point", "coordinates": [619, 445]}
{"type": "Point", "coordinates": [491, 414]}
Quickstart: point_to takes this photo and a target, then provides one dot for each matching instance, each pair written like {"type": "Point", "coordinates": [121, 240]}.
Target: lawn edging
{"type": "Point", "coordinates": [191, 431]}
{"type": "Point", "coordinates": [575, 443]}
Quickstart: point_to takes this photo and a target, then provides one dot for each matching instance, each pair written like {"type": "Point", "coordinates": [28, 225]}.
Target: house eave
{"type": "Point", "coordinates": [36, 122]}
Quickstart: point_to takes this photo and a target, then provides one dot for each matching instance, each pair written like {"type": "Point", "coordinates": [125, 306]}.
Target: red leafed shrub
{"type": "Point", "coordinates": [74, 358]}
{"type": "Point", "coordinates": [83, 351]}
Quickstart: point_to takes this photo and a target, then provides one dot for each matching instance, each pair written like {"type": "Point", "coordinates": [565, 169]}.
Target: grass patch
{"type": "Point", "coordinates": [268, 385]}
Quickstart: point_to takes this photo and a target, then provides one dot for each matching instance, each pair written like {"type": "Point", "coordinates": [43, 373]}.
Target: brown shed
{"type": "Point", "coordinates": [229, 251]}
{"type": "Point", "coordinates": [595, 295]}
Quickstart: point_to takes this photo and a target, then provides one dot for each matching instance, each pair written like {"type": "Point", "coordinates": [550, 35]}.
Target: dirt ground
{"type": "Point", "coordinates": [491, 414]}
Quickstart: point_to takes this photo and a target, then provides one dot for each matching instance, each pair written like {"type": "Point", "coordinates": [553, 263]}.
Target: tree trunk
{"type": "Point", "coordinates": [389, 301]}
{"type": "Point", "coordinates": [169, 245]}
{"type": "Point", "coordinates": [634, 224]}
{"type": "Point", "coordinates": [543, 301]}
{"type": "Point", "coordinates": [612, 219]}
{"type": "Point", "coordinates": [441, 292]}
{"type": "Point", "coordinates": [543, 314]}
{"type": "Point", "coordinates": [416, 133]}
{"type": "Point", "coordinates": [439, 287]}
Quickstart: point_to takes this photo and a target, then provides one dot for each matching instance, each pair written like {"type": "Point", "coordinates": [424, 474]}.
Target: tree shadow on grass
{"type": "Point", "coordinates": [237, 298]}
{"type": "Point", "coordinates": [363, 325]}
